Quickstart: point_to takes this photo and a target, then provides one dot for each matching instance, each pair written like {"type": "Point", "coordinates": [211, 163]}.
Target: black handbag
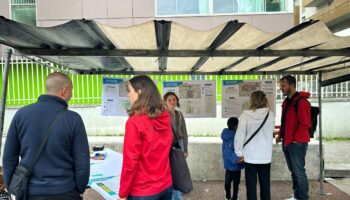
{"type": "Point", "coordinates": [179, 169]}
{"type": "Point", "coordinates": [19, 180]}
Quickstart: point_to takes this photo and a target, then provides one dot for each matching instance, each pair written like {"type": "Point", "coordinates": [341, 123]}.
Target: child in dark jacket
{"type": "Point", "coordinates": [233, 169]}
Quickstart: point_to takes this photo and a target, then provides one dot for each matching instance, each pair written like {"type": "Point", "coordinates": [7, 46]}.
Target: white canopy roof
{"type": "Point", "coordinates": [165, 47]}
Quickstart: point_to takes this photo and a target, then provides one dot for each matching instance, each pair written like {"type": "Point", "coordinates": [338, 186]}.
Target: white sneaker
{"type": "Point", "coordinates": [292, 198]}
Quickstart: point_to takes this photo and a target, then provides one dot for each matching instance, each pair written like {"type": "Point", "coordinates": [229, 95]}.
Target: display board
{"type": "Point", "coordinates": [236, 94]}
{"type": "Point", "coordinates": [197, 98]}
{"type": "Point", "coordinates": [114, 97]}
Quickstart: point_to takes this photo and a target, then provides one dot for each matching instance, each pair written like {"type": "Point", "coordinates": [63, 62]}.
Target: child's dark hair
{"type": "Point", "coordinates": [232, 123]}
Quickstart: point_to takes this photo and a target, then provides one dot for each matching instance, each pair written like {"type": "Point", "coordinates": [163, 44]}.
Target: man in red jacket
{"type": "Point", "coordinates": [294, 134]}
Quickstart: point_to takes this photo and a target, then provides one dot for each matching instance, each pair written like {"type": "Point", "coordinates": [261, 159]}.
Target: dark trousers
{"type": "Point", "coordinates": [235, 177]}
{"type": "Point", "coordinates": [262, 171]}
{"type": "Point", "coordinates": [164, 195]}
{"type": "Point", "coordinates": [295, 157]}
{"type": "Point", "coordinates": [73, 195]}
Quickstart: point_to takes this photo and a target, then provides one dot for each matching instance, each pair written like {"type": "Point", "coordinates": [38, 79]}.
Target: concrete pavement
{"type": "Point", "coordinates": [214, 190]}
{"type": "Point", "coordinates": [337, 164]}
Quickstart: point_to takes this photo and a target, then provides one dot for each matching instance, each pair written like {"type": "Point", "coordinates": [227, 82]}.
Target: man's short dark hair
{"type": "Point", "coordinates": [290, 79]}
{"type": "Point", "coordinates": [232, 123]}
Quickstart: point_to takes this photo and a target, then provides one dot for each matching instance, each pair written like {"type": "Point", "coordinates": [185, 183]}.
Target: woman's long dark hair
{"type": "Point", "coordinates": [149, 101]}
{"type": "Point", "coordinates": [165, 97]}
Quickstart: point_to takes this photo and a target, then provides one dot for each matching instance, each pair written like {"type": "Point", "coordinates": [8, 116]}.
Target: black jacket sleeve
{"type": "Point", "coordinates": [11, 152]}
{"type": "Point", "coordinates": [81, 156]}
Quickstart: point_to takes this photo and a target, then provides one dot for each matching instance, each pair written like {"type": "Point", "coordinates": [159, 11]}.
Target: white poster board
{"type": "Point", "coordinates": [236, 94]}
{"type": "Point", "coordinates": [105, 174]}
{"type": "Point", "coordinates": [197, 98]}
{"type": "Point", "coordinates": [114, 97]}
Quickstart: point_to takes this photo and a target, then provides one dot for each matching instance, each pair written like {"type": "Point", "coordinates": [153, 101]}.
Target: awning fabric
{"type": "Point", "coordinates": [87, 46]}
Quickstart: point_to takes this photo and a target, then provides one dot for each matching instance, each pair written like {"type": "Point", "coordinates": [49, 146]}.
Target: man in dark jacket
{"type": "Point", "coordinates": [62, 171]}
{"type": "Point", "coordinates": [294, 133]}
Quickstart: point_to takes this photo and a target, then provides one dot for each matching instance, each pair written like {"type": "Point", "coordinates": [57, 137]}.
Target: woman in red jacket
{"type": "Point", "coordinates": [146, 171]}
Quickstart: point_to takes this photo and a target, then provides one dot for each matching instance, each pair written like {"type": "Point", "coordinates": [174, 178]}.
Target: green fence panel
{"type": "Point", "coordinates": [27, 82]}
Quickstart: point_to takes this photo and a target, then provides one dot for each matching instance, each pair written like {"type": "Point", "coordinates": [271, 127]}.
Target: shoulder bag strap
{"type": "Point", "coordinates": [251, 137]}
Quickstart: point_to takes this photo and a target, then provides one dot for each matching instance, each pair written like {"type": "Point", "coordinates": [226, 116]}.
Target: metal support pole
{"type": "Point", "coordinates": [4, 92]}
{"type": "Point", "coordinates": [320, 134]}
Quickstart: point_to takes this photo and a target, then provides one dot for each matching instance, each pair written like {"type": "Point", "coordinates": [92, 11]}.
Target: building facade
{"type": "Point", "coordinates": [334, 13]}
{"type": "Point", "coordinates": [268, 15]}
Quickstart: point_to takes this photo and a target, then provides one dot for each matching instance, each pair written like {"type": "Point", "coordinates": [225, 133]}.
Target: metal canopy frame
{"type": "Point", "coordinates": [184, 53]}
{"type": "Point", "coordinates": [162, 54]}
{"type": "Point", "coordinates": [88, 38]}
{"type": "Point", "coordinates": [4, 93]}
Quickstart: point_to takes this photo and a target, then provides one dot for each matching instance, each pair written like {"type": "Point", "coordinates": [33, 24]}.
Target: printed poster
{"type": "Point", "coordinates": [197, 98]}
{"type": "Point", "coordinates": [114, 97]}
{"type": "Point", "coordinates": [236, 94]}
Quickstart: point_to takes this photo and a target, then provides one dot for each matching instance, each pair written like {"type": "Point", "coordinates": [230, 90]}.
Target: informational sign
{"type": "Point", "coordinates": [236, 95]}
{"type": "Point", "coordinates": [105, 174]}
{"type": "Point", "coordinates": [114, 97]}
{"type": "Point", "coordinates": [197, 98]}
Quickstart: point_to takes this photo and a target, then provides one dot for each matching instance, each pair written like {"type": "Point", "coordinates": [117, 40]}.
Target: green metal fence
{"type": "Point", "coordinates": [27, 83]}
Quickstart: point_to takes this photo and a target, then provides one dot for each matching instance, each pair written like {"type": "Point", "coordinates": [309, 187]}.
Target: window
{"type": "Point", "coordinates": [24, 11]}
{"type": "Point", "coordinates": [182, 7]}
{"type": "Point", "coordinates": [188, 7]}
{"type": "Point", "coordinates": [251, 6]}
{"type": "Point", "coordinates": [238, 6]}
{"type": "Point", "coordinates": [275, 5]}
{"type": "Point", "coordinates": [208, 7]}
{"type": "Point", "coordinates": [223, 6]}
{"type": "Point", "coordinates": [166, 7]}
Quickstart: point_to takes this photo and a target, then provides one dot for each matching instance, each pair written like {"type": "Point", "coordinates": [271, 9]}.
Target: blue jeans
{"type": "Point", "coordinates": [295, 158]}
{"type": "Point", "coordinates": [176, 193]}
{"type": "Point", "coordinates": [164, 195]}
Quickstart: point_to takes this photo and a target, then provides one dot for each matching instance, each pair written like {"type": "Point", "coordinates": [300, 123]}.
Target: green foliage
{"type": "Point", "coordinates": [339, 139]}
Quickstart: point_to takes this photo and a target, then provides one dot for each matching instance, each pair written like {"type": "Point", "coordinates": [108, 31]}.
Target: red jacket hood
{"type": "Point", "coordinates": [300, 95]}
{"type": "Point", "coordinates": [305, 95]}
{"type": "Point", "coordinates": [161, 123]}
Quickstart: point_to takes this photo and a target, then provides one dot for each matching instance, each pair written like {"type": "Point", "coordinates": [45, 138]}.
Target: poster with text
{"type": "Point", "coordinates": [236, 94]}
{"type": "Point", "coordinates": [114, 97]}
{"type": "Point", "coordinates": [197, 98]}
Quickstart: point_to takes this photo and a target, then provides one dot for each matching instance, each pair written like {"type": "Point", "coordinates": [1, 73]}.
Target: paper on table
{"type": "Point", "coordinates": [108, 187]}
{"type": "Point", "coordinates": [105, 174]}
{"type": "Point", "coordinates": [111, 166]}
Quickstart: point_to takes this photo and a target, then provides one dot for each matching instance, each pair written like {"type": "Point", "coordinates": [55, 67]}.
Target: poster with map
{"type": "Point", "coordinates": [236, 94]}
{"type": "Point", "coordinates": [197, 98]}
{"type": "Point", "coordinates": [114, 97]}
